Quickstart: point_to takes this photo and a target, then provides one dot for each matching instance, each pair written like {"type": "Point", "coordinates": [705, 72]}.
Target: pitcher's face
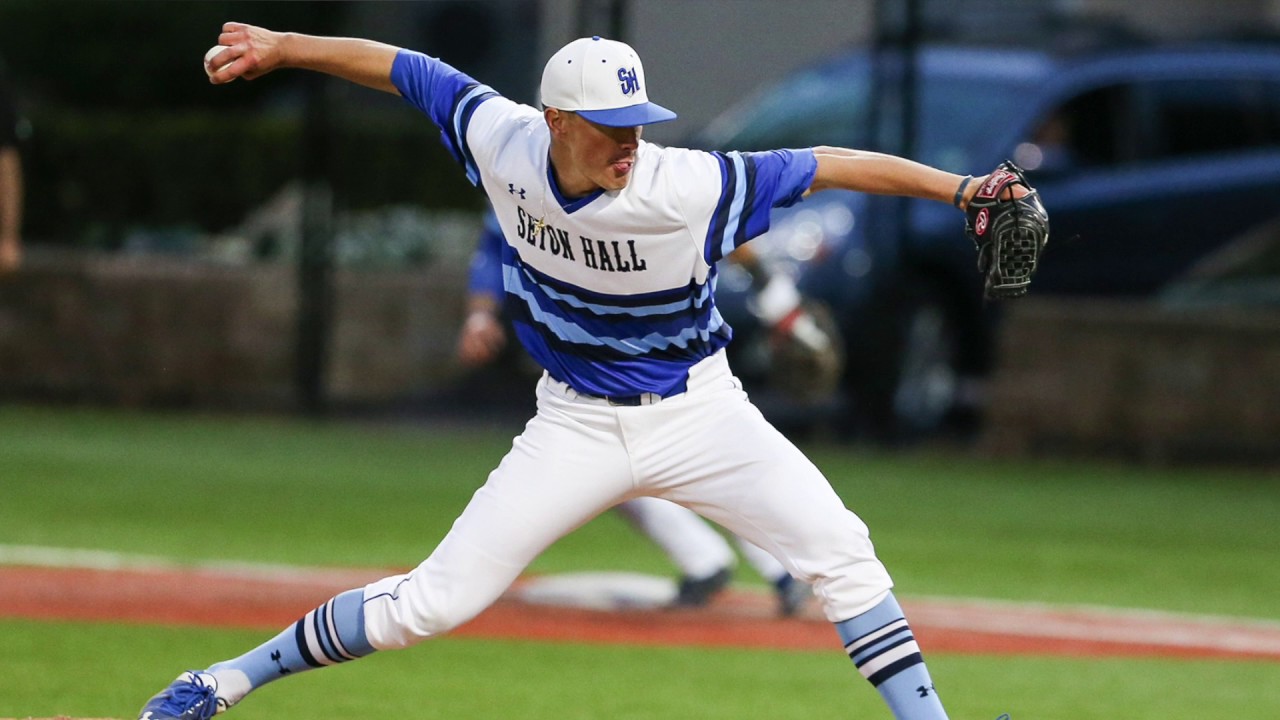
{"type": "Point", "coordinates": [587, 155]}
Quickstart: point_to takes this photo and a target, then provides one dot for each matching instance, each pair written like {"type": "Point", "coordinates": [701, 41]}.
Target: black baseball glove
{"type": "Point", "coordinates": [1009, 233]}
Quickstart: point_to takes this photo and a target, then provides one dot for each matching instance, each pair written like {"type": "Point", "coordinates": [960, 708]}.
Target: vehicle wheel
{"type": "Point", "coordinates": [928, 384]}
{"type": "Point", "coordinates": [910, 386]}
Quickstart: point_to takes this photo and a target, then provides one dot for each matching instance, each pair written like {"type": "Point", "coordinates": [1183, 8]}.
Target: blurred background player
{"type": "Point", "coordinates": [11, 186]}
{"type": "Point", "coordinates": [701, 554]}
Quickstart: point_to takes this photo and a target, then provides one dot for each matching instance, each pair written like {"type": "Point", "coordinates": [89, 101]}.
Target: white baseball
{"type": "Point", "coordinates": [208, 58]}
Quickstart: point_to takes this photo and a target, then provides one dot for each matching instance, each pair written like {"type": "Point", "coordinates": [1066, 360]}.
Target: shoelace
{"type": "Point", "coordinates": [192, 699]}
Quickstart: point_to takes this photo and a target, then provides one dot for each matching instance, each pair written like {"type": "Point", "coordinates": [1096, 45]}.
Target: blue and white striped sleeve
{"type": "Point", "coordinates": [751, 184]}
{"type": "Point", "coordinates": [446, 95]}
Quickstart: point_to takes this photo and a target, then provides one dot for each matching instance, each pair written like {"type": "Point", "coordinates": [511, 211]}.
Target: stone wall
{"type": "Point", "coordinates": [1138, 381]}
{"type": "Point", "coordinates": [1081, 377]}
{"type": "Point", "coordinates": [167, 332]}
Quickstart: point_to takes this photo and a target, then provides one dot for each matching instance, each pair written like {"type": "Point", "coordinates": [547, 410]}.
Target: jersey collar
{"type": "Point", "coordinates": [567, 204]}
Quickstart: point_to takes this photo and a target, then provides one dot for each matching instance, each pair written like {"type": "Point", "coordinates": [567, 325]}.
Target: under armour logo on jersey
{"type": "Point", "coordinates": [924, 690]}
{"type": "Point", "coordinates": [511, 188]}
{"type": "Point", "coordinates": [629, 80]}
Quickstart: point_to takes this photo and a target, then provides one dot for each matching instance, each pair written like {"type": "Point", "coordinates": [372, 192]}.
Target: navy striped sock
{"type": "Point", "coordinates": [881, 645]}
{"type": "Point", "coordinates": [330, 634]}
{"type": "Point", "coordinates": [334, 632]}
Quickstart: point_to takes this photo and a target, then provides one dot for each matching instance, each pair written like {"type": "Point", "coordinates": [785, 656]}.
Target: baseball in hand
{"type": "Point", "coordinates": [208, 58]}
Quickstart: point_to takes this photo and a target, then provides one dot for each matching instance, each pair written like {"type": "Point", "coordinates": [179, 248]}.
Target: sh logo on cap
{"type": "Point", "coordinates": [586, 76]}
{"type": "Point", "coordinates": [630, 83]}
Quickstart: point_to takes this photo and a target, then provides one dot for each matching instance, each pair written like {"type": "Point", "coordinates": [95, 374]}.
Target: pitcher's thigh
{"type": "Point", "coordinates": [550, 483]}
{"type": "Point", "coordinates": [763, 488]}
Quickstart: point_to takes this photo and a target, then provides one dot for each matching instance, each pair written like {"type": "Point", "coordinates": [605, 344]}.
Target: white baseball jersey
{"type": "Point", "coordinates": [612, 293]}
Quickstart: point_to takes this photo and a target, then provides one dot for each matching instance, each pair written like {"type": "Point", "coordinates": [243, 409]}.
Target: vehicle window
{"type": "Point", "coordinates": [813, 108]}
{"type": "Point", "coordinates": [832, 106]}
{"type": "Point", "coordinates": [1091, 130]}
{"type": "Point", "coordinates": [1198, 117]}
{"type": "Point", "coordinates": [960, 116]}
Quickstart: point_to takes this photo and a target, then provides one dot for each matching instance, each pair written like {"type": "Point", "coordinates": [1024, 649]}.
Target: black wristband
{"type": "Point", "coordinates": [960, 190]}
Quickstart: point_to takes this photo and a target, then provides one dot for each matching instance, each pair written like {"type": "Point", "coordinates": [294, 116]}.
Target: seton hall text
{"type": "Point", "coordinates": [610, 256]}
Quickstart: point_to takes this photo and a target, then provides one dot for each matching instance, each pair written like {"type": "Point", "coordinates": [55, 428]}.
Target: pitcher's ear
{"type": "Point", "coordinates": [555, 119]}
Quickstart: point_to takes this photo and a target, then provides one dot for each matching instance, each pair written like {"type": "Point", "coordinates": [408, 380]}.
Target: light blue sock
{"type": "Point", "coordinates": [880, 643]}
{"type": "Point", "coordinates": [330, 634]}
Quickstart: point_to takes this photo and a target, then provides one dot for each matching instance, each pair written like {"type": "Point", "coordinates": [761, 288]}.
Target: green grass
{"type": "Point", "coordinates": [279, 490]}
{"type": "Point", "coordinates": [282, 490]}
{"type": "Point", "coordinates": [1194, 540]}
{"type": "Point", "coordinates": [107, 671]}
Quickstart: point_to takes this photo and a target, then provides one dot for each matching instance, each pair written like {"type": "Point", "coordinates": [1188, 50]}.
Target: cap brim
{"type": "Point", "coordinates": [642, 114]}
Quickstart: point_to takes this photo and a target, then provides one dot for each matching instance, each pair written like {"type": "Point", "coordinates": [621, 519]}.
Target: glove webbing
{"type": "Point", "coordinates": [1017, 236]}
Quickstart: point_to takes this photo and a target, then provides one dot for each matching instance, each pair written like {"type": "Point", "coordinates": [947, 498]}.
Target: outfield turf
{"type": "Point", "coordinates": [107, 671]}
{"type": "Point", "coordinates": [280, 490]}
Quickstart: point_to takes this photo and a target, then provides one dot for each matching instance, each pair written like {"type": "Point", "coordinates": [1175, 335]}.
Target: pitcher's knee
{"type": "Point", "coordinates": [399, 612]}
{"type": "Point", "coordinates": [852, 589]}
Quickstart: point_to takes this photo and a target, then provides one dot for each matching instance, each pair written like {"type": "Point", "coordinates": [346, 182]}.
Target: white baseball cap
{"type": "Point", "coordinates": [603, 81]}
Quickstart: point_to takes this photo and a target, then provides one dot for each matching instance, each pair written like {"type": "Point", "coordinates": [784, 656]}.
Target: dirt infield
{"type": "Point", "coordinates": [270, 599]}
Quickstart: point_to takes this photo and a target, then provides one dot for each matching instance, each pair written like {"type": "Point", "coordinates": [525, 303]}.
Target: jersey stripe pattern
{"type": "Point", "coordinates": [736, 220]}
{"type": "Point", "coordinates": [612, 293]}
{"type": "Point", "coordinates": [733, 214]}
{"type": "Point", "coordinates": [650, 326]}
{"type": "Point", "coordinates": [438, 89]}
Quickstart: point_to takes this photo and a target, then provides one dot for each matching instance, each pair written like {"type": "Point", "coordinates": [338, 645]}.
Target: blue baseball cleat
{"type": "Point", "coordinates": [192, 696]}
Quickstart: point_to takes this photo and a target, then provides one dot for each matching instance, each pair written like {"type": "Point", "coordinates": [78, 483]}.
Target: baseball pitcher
{"type": "Point", "coordinates": [608, 271]}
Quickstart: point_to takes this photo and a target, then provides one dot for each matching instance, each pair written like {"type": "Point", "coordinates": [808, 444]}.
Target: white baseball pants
{"type": "Point", "coordinates": [708, 449]}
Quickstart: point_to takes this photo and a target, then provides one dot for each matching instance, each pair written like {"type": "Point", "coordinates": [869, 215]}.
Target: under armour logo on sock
{"type": "Point", "coordinates": [924, 690]}
{"type": "Point", "coordinates": [275, 656]}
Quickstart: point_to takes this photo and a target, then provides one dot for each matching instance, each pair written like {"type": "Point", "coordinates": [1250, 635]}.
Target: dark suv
{"type": "Point", "coordinates": [1147, 159]}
